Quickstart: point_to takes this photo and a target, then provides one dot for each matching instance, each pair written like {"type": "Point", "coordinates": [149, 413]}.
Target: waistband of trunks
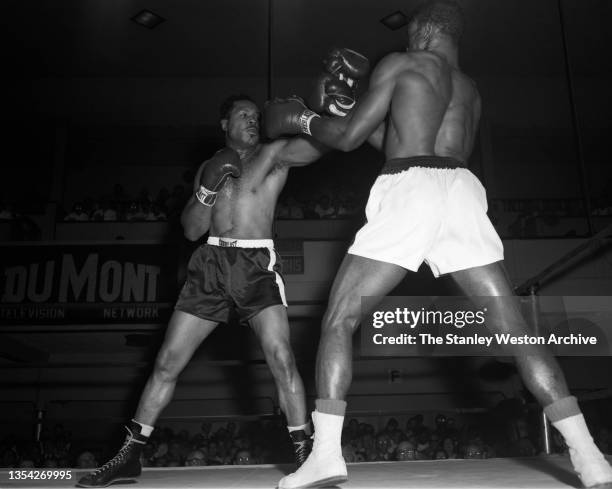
{"type": "Point", "coordinates": [240, 243]}
{"type": "Point", "coordinates": [397, 165]}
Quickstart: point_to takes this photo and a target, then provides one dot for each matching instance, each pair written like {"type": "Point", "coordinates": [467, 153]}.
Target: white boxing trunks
{"type": "Point", "coordinates": [428, 208]}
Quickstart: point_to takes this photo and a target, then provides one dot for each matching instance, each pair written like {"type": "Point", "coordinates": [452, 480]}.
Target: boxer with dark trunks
{"type": "Point", "coordinates": [423, 112]}
{"type": "Point", "coordinates": [235, 194]}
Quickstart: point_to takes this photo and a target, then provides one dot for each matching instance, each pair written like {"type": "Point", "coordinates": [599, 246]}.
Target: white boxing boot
{"type": "Point", "coordinates": [588, 461]}
{"type": "Point", "coordinates": [325, 466]}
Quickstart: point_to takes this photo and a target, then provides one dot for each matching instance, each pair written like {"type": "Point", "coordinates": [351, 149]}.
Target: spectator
{"type": "Point", "coordinates": [110, 212]}
{"type": "Point", "coordinates": [86, 460]}
{"type": "Point", "coordinates": [384, 447]}
{"type": "Point", "coordinates": [405, 451]}
{"type": "Point", "coordinates": [450, 447]}
{"type": "Point", "coordinates": [282, 210]}
{"type": "Point", "coordinates": [348, 453]}
{"type": "Point", "coordinates": [324, 208]}
{"type": "Point", "coordinates": [205, 428]}
{"type": "Point", "coordinates": [347, 207]}
{"type": "Point", "coordinates": [153, 213]}
{"type": "Point", "coordinates": [351, 431]}
{"type": "Point", "coordinates": [97, 212]}
{"type": "Point", "coordinates": [243, 457]}
{"type": "Point", "coordinates": [368, 447]}
{"type": "Point", "coordinates": [294, 209]}
{"type": "Point", "coordinates": [195, 458]}
{"type": "Point", "coordinates": [77, 213]}
{"type": "Point", "coordinates": [134, 212]}
{"type": "Point", "coordinates": [473, 450]}
{"type": "Point", "coordinates": [440, 454]}
{"type": "Point", "coordinates": [440, 425]}
{"type": "Point", "coordinates": [423, 448]}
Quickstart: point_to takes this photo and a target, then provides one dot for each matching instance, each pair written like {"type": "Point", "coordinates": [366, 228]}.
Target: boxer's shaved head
{"type": "Point", "coordinates": [228, 104]}
{"type": "Point", "coordinates": [445, 16]}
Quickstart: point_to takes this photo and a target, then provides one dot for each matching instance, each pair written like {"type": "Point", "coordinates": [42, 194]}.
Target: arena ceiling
{"type": "Point", "coordinates": [219, 38]}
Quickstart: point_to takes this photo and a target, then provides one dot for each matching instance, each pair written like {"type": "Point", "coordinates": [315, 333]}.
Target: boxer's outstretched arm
{"type": "Point", "coordinates": [299, 150]}
{"type": "Point", "coordinates": [348, 133]}
{"type": "Point", "coordinates": [195, 217]}
{"type": "Point", "coordinates": [377, 138]}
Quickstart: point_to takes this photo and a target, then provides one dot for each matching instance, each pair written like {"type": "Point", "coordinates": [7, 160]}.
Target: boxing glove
{"type": "Point", "coordinates": [334, 90]}
{"type": "Point", "coordinates": [331, 95]}
{"type": "Point", "coordinates": [225, 162]}
{"type": "Point", "coordinates": [346, 65]}
{"type": "Point", "coordinates": [287, 117]}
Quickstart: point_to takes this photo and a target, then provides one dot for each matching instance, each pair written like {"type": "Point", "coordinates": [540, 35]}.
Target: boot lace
{"type": "Point", "coordinates": [121, 454]}
{"type": "Point", "coordinates": [301, 449]}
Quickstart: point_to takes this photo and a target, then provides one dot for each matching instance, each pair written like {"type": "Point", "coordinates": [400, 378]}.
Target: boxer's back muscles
{"type": "Point", "coordinates": [434, 108]}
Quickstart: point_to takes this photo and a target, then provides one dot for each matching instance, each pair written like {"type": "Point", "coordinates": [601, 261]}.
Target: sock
{"type": "Point", "coordinates": [331, 406]}
{"type": "Point", "coordinates": [565, 415]}
{"type": "Point", "coordinates": [145, 429]}
{"type": "Point", "coordinates": [562, 408]}
{"type": "Point", "coordinates": [306, 427]}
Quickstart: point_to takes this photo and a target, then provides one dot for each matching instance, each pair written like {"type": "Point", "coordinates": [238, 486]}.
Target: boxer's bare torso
{"type": "Point", "coordinates": [245, 206]}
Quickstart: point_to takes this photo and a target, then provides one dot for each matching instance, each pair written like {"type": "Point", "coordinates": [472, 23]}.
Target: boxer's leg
{"type": "Point", "coordinates": [356, 278]}
{"type": "Point", "coordinates": [271, 327]}
{"type": "Point", "coordinates": [538, 368]}
{"type": "Point", "coordinates": [183, 336]}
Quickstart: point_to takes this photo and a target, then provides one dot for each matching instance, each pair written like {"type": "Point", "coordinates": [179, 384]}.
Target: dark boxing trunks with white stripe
{"type": "Point", "coordinates": [232, 274]}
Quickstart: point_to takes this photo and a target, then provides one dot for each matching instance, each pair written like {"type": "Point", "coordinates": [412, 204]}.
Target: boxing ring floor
{"type": "Point", "coordinates": [524, 473]}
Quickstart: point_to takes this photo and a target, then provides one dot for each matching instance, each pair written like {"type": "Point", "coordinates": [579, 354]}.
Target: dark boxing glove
{"type": "Point", "coordinates": [334, 90]}
{"type": "Point", "coordinates": [331, 95]}
{"type": "Point", "coordinates": [226, 162]}
{"type": "Point", "coordinates": [287, 117]}
{"type": "Point", "coordinates": [347, 65]}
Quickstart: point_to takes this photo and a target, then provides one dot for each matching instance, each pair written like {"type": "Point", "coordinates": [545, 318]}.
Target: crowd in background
{"type": "Point", "coordinates": [343, 205]}
{"type": "Point", "coordinates": [119, 206]}
{"type": "Point", "coordinates": [338, 197]}
{"type": "Point", "coordinates": [263, 442]}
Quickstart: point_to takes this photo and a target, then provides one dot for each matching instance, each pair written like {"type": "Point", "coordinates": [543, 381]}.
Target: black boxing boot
{"type": "Point", "coordinates": [302, 446]}
{"type": "Point", "coordinates": [124, 466]}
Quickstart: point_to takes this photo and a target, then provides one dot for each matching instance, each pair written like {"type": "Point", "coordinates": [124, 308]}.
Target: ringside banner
{"type": "Point", "coordinates": [486, 326]}
{"type": "Point", "coordinates": [106, 283]}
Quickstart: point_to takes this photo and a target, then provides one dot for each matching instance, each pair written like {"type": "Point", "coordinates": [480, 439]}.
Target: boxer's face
{"type": "Point", "coordinates": [242, 125]}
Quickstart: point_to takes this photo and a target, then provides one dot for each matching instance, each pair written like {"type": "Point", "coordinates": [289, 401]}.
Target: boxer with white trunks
{"type": "Point", "coordinates": [423, 113]}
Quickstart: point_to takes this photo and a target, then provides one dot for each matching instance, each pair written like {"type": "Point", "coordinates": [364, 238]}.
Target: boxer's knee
{"type": "Point", "coordinates": [168, 366]}
{"type": "Point", "coordinates": [282, 363]}
{"type": "Point", "coordinates": [281, 358]}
